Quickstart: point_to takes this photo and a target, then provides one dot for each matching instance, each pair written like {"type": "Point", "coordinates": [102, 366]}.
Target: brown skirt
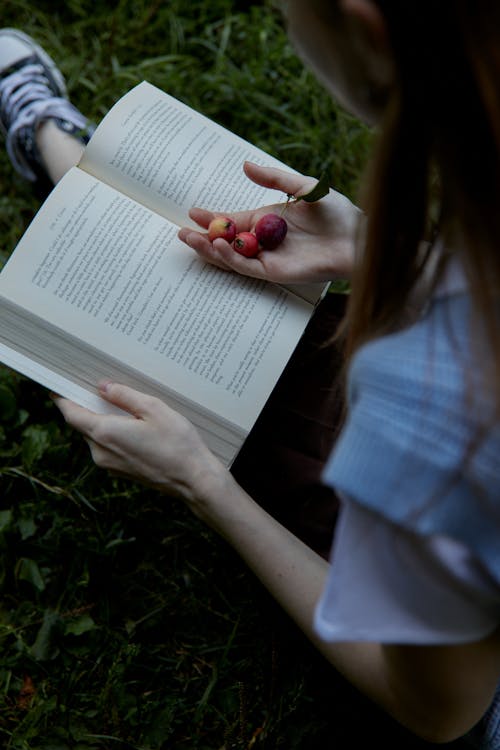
{"type": "Point", "coordinates": [281, 462]}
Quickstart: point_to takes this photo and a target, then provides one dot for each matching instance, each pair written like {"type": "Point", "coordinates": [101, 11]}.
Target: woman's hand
{"type": "Point", "coordinates": [319, 245]}
{"type": "Point", "coordinates": [153, 444]}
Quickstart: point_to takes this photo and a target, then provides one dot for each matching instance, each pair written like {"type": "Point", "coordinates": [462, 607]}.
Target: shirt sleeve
{"type": "Point", "coordinates": [389, 585]}
{"type": "Point", "coordinates": [421, 443]}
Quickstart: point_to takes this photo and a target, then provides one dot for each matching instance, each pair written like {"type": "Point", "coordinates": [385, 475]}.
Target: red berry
{"type": "Point", "coordinates": [271, 230]}
{"type": "Point", "coordinates": [223, 227]}
{"type": "Point", "coordinates": [246, 243]}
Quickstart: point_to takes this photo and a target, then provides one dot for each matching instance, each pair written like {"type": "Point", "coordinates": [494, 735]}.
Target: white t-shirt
{"type": "Point", "coordinates": [416, 553]}
{"type": "Point", "coordinates": [390, 585]}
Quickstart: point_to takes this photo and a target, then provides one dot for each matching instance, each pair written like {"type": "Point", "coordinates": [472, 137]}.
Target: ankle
{"type": "Point", "coordinates": [58, 150]}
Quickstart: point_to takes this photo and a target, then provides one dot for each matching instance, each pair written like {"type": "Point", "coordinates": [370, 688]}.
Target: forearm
{"type": "Point", "coordinates": [295, 576]}
{"type": "Point", "coordinates": [292, 572]}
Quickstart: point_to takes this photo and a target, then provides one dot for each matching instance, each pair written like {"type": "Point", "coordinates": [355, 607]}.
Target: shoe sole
{"type": "Point", "coordinates": [47, 61]}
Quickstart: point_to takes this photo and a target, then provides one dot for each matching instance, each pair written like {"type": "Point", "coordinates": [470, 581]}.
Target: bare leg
{"type": "Point", "coordinates": [59, 150]}
{"type": "Point", "coordinates": [45, 132]}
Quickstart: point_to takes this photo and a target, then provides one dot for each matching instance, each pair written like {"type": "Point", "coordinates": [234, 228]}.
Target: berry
{"type": "Point", "coordinates": [223, 227]}
{"type": "Point", "coordinates": [270, 231]}
{"type": "Point", "coordinates": [246, 243]}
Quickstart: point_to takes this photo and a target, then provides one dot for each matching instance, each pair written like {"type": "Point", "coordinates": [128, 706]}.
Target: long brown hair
{"type": "Point", "coordinates": [439, 141]}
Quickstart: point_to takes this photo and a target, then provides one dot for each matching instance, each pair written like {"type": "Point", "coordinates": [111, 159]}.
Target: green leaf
{"type": "Point", "coordinates": [41, 649]}
{"type": "Point", "coordinates": [22, 417]}
{"type": "Point", "coordinates": [8, 403]}
{"type": "Point", "coordinates": [28, 570]}
{"type": "Point", "coordinates": [80, 625]}
{"type": "Point", "coordinates": [5, 519]}
{"type": "Point", "coordinates": [160, 726]}
{"type": "Point", "coordinates": [340, 286]}
{"type": "Point", "coordinates": [319, 191]}
{"type": "Point", "coordinates": [36, 440]}
{"type": "Point", "coordinates": [26, 526]}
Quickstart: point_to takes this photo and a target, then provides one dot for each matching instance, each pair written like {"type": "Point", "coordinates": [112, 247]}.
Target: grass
{"type": "Point", "coordinates": [124, 623]}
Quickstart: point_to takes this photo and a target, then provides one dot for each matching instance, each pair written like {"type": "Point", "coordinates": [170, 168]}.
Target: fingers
{"type": "Point", "coordinates": [217, 253]}
{"type": "Point", "coordinates": [76, 416]}
{"type": "Point", "coordinates": [221, 254]}
{"type": "Point", "coordinates": [289, 183]}
{"type": "Point", "coordinates": [99, 455]}
{"type": "Point", "coordinates": [137, 404]}
{"type": "Point", "coordinates": [234, 261]}
{"type": "Point", "coordinates": [277, 179]}
{"type": "Point", "coordinates": [203, 217]}
{"type": "Point", "coordinates": [202, 245]}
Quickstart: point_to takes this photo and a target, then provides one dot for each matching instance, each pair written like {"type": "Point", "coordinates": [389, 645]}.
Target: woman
{"type": "Point", "coordinates": [408, 608]}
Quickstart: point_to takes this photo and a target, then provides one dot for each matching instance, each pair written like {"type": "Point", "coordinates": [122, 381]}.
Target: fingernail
{"type": "Point", "coordinates": [103, 385]}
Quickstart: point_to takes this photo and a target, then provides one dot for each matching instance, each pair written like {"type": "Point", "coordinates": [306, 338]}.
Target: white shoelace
{"type": "Point", "coordinates": [26, 100]}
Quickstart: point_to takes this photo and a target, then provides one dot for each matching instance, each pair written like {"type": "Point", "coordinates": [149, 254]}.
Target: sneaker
{"type": "Point", "coordinates": [32, 90]}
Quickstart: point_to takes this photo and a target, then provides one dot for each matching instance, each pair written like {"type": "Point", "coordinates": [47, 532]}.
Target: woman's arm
{"type": "Point", "coordinates": [437, 692]}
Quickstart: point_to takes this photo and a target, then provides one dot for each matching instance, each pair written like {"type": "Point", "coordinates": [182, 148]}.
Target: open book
{"type": "Point", "coordinates": [101, 287]}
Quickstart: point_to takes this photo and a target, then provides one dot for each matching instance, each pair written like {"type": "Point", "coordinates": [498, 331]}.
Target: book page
{"type": "Point", "coordinates": [55, 382]}
{"type": "Point", "coordinates": [71, 368]}
{"type": "Point", "coordinates": [169, 157]}
{"type": "Point", "coordinates": [113, 273]}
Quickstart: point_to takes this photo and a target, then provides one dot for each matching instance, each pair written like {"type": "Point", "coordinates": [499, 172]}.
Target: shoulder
{"type": "Point", "coordinates": [432, 357]}
{"type": "Point", "coordinates": [442, 355]}
{"type": "Point", "coordinates": [427, 381]}
{"type": "Point", "coordinates": [424, 384]}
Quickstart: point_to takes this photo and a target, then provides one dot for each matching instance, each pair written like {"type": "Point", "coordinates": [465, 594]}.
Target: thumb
{"type": "Point", "coordinates": [134, 402]}
{"type": "Point", "coordinates": [291, 183]}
